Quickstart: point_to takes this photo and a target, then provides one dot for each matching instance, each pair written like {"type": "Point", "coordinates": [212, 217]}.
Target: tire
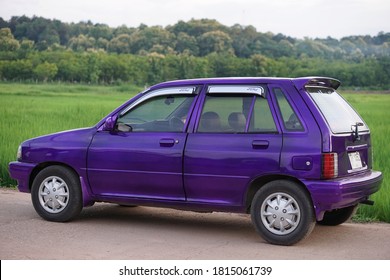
{"type": "Point", "coordinates": [282, 212]}
{"type": "Point", "coordinates": [338, 216]}
{"type": "Point", "coordinates": [56, 194]}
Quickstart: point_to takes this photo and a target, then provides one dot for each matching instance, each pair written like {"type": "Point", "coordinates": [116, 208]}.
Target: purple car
{"type": "Point", "coordinates": [291, 152]}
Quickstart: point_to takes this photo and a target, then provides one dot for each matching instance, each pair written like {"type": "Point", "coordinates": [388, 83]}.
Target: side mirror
{"type": "Point", "coordinates": [109, 124]}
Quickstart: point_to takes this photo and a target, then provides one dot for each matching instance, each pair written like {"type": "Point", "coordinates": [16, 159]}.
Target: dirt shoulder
{"type": "Point", "coordinates": [108, 231]}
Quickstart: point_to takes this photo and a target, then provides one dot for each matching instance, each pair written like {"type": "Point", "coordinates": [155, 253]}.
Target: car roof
{"type": "Point", "coordinates": [299, 83]}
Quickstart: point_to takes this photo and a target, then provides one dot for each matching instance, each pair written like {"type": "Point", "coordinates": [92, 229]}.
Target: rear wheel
{"type": "Point", "coordinates": [282, 212]}
{"type": "Point", "coordinates": [56, 194]}
{"type": "Point", "coordinates": [338, 216]}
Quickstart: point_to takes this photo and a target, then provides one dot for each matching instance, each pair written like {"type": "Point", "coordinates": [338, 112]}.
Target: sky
{"type": "Point", "coordinates": [295, 18]}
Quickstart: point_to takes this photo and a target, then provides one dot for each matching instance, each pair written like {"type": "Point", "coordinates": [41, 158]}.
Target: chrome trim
{"type": "Point", "coordinates": [159, 92]}
{"type": "Point", "coordinates": [259, 90]}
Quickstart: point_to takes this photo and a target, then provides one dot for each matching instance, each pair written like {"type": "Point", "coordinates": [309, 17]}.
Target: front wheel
{"type": "Point", "coordinates": [282, 212]}
{"type": "Point", "coordinates": [56, 194]}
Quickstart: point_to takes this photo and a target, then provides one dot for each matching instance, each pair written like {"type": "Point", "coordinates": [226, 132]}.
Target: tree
{"type": "Point", "coordinates": [243, 38]}
{"type": "Point", "coordinates": [101, 31]}
{"type": "Point", "coordinates": [81, 43]}
{"type": "Point", "coordinates": [45, 71]}
{"type": "Point", "coordinates": [17, 70]}
{"type": "Point", "coordinates": [120, 44]}
{"type": "Point", "coordinates": [7, 40]}
{"type": "Point", "coordinates": [186, 44]}
{"type": "Point", "coordinates": [196, 27]}
{"type": "Point", "coordinates": [112, 68]}
{"type": "Point", "coordinates": [215, 41]}
{"type": "Point", "coordinates": [50, 36]}
{"type": "Point", "coordinates": [146, 37]}
{"type": "Point", "coordinates": [260, 65]}
{"type": "Point", "coordinates": [102, 43]}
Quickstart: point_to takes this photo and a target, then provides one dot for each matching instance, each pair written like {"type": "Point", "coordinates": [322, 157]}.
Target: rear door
{"type": "Point", "coordinates": [235, 139]}
{"type": "Point", "coordinates": [349, 135]}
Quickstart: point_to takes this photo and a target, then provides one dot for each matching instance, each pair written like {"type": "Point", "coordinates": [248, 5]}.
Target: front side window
{"type": "Point", "coordinates": [160, 113]}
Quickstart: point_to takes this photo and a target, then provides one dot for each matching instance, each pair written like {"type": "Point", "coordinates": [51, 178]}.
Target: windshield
{"type": "Point", "coordinates": [340, 116]}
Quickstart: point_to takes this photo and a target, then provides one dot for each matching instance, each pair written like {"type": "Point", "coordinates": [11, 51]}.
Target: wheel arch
{"type": "Point", "coordinates": [259, 182]}
{"type": "Point", "coordinates": [44, 165]}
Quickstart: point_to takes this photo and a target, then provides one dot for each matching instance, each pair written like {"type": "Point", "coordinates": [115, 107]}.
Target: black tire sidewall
{"type": "Point", "coordinates": [307, 219]}
{"type": "Point", "coordinates": [74, 205]}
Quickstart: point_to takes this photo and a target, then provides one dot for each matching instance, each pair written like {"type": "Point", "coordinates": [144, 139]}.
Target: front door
{"type": "Point", "coordinates": [142, 158]}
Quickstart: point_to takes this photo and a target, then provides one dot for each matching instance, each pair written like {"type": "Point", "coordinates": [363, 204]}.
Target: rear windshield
{"type": "Point", "coordinates": [340, 116]}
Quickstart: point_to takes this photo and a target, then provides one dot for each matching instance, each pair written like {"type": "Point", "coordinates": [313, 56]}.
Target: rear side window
{"type": "Point", "coordinates": [291, 121]}
{"type": "Point", "coordinates": [235, 113]}
{"type": "Point", "coordinates": [225, 114]}
{"type": "Point", "coordinates": [340, 116]}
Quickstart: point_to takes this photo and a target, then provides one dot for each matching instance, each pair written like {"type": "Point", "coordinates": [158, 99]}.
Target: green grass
{"type": "Point", "coordinates": [29, 110]}
{"type": "Point", "coordinates": [374, 108]}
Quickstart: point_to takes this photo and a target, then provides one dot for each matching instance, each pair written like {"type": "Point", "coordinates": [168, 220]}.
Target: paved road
{"type": "Point", "coordinates": [107, 231]}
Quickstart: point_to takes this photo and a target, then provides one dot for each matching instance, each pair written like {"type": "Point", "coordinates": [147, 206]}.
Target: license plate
{"type": "Point", "coordinates": [355, 160]}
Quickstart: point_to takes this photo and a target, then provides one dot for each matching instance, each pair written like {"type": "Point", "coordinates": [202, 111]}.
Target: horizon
{"type": "Point", "coordinates": [196, 19]}
{"type": "Point", "coordinates": [292, 18]}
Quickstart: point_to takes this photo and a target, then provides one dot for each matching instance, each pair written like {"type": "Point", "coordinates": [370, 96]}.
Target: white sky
{"type": "Point", "coordinates": [296, 18]}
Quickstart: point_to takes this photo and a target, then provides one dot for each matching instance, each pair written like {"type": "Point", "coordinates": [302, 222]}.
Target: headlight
{"type": "Point", "coordinates": [19, 152]}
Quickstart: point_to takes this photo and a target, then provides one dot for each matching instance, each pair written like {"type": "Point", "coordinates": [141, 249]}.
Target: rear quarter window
{"type": "Point", "coordinates": [290, 118]}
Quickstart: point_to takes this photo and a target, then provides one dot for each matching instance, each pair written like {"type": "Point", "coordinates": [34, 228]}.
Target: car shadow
{"type": "Point", "coordinates": [169, 219]}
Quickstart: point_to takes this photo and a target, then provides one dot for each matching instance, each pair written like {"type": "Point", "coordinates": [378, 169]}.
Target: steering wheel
{"type": "Point", "coordinates": [176, 124]}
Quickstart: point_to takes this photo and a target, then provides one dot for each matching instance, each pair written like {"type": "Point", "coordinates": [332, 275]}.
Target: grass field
{"type": "Point", "coordinates": [29, 110]}
{"type": "Point", "coordinates": [32, 110]}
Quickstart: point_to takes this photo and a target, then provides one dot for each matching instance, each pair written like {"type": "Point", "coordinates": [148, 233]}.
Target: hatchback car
{"type": "Point", "coordinates": [291, 152]}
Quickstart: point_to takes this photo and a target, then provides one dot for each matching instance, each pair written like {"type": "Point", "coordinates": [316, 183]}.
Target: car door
{"type": "Point", "coordinates": [142, 157]}
{"type": "Point", "coordinates": [235, 140]}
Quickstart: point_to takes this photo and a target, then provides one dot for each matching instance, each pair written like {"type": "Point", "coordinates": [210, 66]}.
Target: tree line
{"type": "Point", "coordinates": [43, 49]}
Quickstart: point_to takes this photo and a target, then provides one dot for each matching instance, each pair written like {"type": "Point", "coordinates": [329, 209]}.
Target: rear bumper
{"type": "Point", "coordinates": [21, 171]}
{"type": "Point", "coordinates": [342, 192]}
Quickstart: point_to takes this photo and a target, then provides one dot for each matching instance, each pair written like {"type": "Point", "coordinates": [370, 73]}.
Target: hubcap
{"type": "Point", "coordinates": [280, 213]}
{"type": "Point", "coordinates": [53, 194]}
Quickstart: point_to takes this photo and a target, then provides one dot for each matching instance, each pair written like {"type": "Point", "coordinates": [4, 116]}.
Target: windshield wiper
{"type": "Point", "coordinates": [355, 131]}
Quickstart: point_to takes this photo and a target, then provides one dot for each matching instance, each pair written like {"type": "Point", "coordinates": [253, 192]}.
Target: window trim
{"type": "Point", "coordinates": [187, 90]}
{"type": "Point", "coordinates": [237, 89]}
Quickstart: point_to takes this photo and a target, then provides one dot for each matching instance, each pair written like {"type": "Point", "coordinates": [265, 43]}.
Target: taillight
{"type": "Point", "coordinates": [329, 165]}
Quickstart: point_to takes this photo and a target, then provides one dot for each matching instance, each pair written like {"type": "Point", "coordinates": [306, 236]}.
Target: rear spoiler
{"type": "Point", "coordinates": [301, 83]}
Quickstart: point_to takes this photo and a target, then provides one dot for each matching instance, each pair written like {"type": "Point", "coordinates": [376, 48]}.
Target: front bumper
{"type": "Point", "coordinates": [342, 192]}
{"type": "Point", "coordinates": [21, 172]}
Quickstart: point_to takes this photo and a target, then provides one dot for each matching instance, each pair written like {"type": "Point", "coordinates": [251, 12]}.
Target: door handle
{"type": "Point", "coordinates": [260, 144]}
{"type": "Point", "coordinates": [165, 142]}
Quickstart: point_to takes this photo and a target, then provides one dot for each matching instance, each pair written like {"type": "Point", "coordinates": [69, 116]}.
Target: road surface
{"type": "Point", "coordinates": [108, 231]}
